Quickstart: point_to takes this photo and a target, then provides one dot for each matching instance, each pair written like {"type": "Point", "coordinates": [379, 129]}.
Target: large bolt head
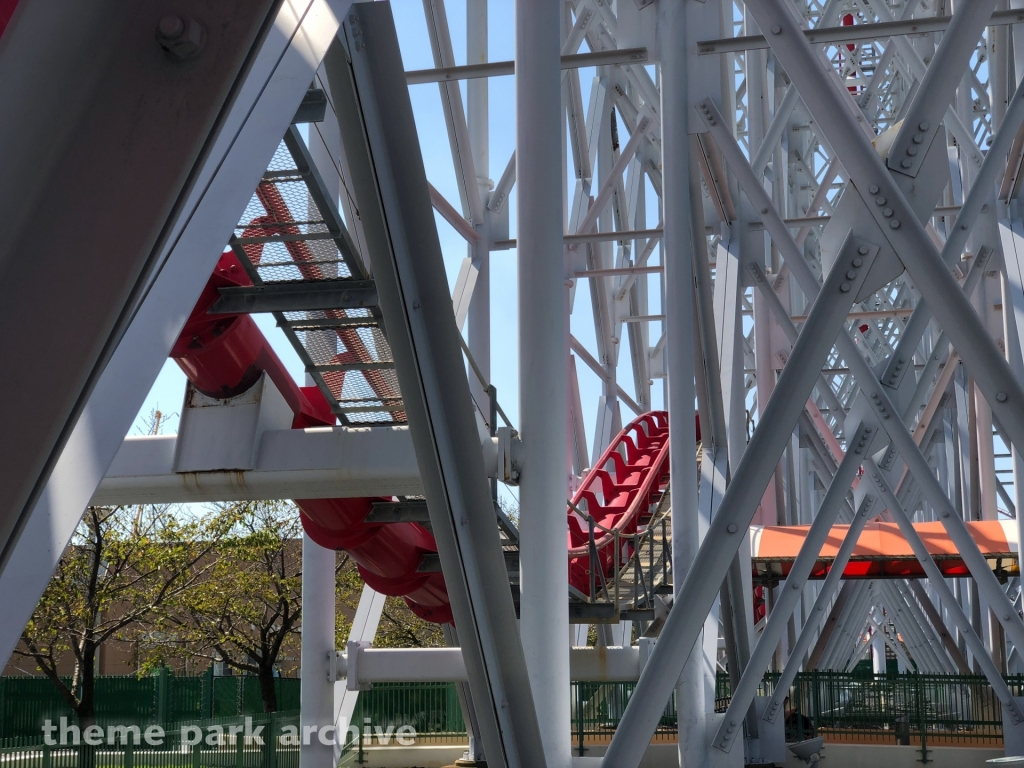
{"type": "Point", "coordinates": [180, 37]}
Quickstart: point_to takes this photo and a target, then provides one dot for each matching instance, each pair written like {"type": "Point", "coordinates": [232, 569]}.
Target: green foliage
{"type": "Point", "coordinates": [401, 628]}
{"type": "Point", "coordinates": [122, 567]}
{"type": "Point", "coordinates": [247, 612]}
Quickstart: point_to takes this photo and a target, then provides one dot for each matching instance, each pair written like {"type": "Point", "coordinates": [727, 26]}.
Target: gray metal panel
{"type": "Point", "coordinates": [110, 131]}
{"type": "Point", "coordinates": [379, 132]}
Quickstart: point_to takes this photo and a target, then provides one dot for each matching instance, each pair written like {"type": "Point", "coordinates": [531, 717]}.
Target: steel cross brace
{"type": "Point", "coordinates": [843, 638]}
{"type": "Point", "coordinates": [377, 127]}
{"type": "Point", "coordinates": [814, 616]}
{"type": "Point", "coordinates": [917, 625]}
{"type": "Point", "coordinates": [833, 621]}
{"type": "Point", "coordinates": [894, 215]}
{"type": "Point", "coordinates": [878, 395]}
{"type": "Point", "coordinates": [978, 196]}
{"type": "Point", "coordinates": [963, 624]}
{"type": "Point", "coordinates": [750, 478]}
{"type": "Point", "coordinates": [860, 441]}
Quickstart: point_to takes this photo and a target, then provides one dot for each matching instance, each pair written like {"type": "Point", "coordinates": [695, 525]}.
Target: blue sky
{"type": "Point", "coordinates": [167, 392]}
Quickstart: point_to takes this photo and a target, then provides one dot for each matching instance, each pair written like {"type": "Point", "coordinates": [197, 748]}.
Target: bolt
{"type": "Point", "coordinates": [887, 212]}
{"type": "Point", "coordinates": [923, 126]}
{"type": "Point", "coordinates": [851, 275]}
{"type": "Point", "coordinates": [1001, 397]}
{"type": "Point", "coordinates": [180, 37]}
{"type": "Point", "coordinates": [874, 395]}
{"type": "Point", "coordinates": [911, 151]}
{"type": "Point", "coordinates": [918, 138]}
{"type": "Point", "coordinates": [879, 201]}
{"type": "Point", "coordinates": [906, 164]}
{"type": "Point", "coordinates": [731, 528]}
{"type": "Point", "coordinates": [776, 30]}
{"type": "Point", "coordinates": [171, 27]}
{"type": "Point", "coordinates": [863, 250]}
{"type": "Point", "coordinates": [845, 287]}
{"type": "Point", "coordinates": [764, 210]}
{"type": "Point", "coordinates": [894, 224]}
{"type": "Point", "coordinates": [873, 189]}
{"type": "Point", "coordinates": [858, 262]}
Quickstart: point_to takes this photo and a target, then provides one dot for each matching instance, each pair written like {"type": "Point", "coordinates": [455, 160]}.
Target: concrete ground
{"type": "Point", "coordinates": [665, 756]}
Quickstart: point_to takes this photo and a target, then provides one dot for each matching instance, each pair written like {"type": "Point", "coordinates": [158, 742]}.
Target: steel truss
{"type": "Point", "coordinates": [806, 210]}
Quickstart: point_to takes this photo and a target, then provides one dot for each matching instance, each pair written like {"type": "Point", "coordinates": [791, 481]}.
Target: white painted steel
{"type": "Point", "coordinates": [543, 350]}
{"type": "Point", "coordinates": [253, 129]}
{"type": "Point", "coordinates": [316, 705]}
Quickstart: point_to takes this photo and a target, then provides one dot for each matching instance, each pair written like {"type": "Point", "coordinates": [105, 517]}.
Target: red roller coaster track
{"type": "Point", "coordinates": [223, 355]}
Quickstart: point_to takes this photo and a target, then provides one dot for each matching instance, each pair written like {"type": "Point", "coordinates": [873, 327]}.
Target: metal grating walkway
{"type": "Point", "coordinates": [292, 236]}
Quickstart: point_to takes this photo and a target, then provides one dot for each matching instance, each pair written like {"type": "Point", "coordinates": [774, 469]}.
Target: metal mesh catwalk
{"type": "Point", "coordinates": [291, 233]}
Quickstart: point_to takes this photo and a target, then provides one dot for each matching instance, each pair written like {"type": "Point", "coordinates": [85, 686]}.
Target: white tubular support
{"type": "Point", "coordinates": [315, 463]}
{"type": "Point", "coordinates": [316, 705]}
{"type": "Point", "coordinates": [543, 371]}
{"type": "Point", "coordinates": [362, 665]}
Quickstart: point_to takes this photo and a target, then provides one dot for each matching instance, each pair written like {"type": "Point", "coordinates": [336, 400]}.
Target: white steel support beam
{"type": "Point", "coordinates": [364, 629]}
{"type": "Point", "coordinates": [861, 441]}
{"type": "Point", "coordinates": [963, 624]}
{"type": "Point", "coordinates": [388, 177]}
{"type": "Point", "coordinates": [678, 250]}
{"type": "Point", "coordinates": [454, 115]}
{"type": "Point", "coordinates": [316, 705]}
{"type": "Point", "coordinates": [272, 91]}
{"type": "Point", "coordinates": [102, 64]}
{"type": "Point", "coordinates": [543, 351]}
{"type": "Point", "coordinates": [749, 480]}
{"type": "Point", "coordinates": [996, 372]}
{"type": "Point", "coordinates": [816, 613]}
{"type": "Point", "coordinates": [477, 119]}
{"type": "Point", "coordinates": [895, 219]}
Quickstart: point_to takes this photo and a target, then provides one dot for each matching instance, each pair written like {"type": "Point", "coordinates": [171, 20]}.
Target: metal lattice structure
{"type": "Point", "coordinates": [801, 216]}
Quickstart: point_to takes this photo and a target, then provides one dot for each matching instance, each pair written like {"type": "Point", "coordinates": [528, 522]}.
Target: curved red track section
{"type": "Point", "coordinates": [224, 355]}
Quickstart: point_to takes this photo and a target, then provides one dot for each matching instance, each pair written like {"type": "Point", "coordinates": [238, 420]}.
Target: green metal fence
{"type": "Point", "coordinates": [26, 702]}
{"type": "Point", "coordinates": [200, 743]}
{"type": "Point", "coordinates": [908, 708]}
{"type": "Point", "coordinates": [923, 710]}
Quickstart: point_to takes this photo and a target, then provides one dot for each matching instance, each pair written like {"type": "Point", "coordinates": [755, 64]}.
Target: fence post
{"type": "Point", "coordinates": [207, 698]}
{"type": "Point", "coordinates": [919, 696]}
{"type": "Point", "coordinates": [129, 751]}
{"type": "Point", "coordinates": [579, 716]}
{"type": "Point", "coordinates": [46, 755]}
{"type": "Point", "coordinates": [161, 696]}
{"type": "Point", "coordinates": [239, 749]}
{"type": "Point", "coordinates": [272, 728]}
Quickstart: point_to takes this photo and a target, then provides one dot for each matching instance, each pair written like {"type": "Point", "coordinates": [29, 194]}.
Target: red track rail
{"type": "Point", "coordinates": [223, 355]}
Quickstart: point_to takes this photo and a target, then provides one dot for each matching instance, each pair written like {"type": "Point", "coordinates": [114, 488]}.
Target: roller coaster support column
{"type": "Point", "coordinates": [678, 259]}
{"type": "Point", "coordinates": [476, 118]}
{"type": "Point", "coordinates": [543, 345]}
{"type": "Point", "coordinates": [317, 701]}
{"type": "Point", "coordinates": [268, 97]}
